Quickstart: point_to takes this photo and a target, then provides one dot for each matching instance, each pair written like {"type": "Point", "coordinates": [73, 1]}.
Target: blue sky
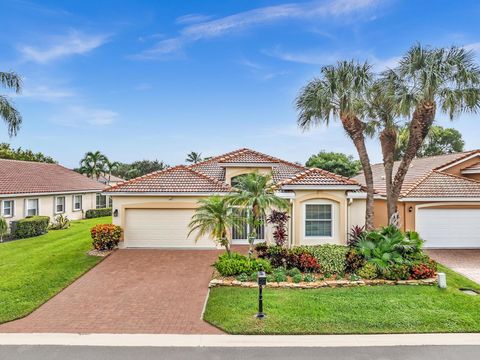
{"type": "Point", "coordinates": [158, 79]}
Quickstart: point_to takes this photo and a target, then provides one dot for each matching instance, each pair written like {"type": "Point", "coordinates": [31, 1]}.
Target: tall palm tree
{"type": "Point", "coordinates": [214, 217]}
{"type": "Point", "coordinates": [111, 166]}
{"type": "Point", "coordinates": [254, 193]}
{"type": "Point", "coordinates": [194, 157]}
{"type": "Point", "coordinates": [427, 80]}
{"type": "Point", "coordinates": [93, 164]}
{"type": "Point", "coordinates": [341, 93]}
{"type": "Point", "coordinates": [8, 113]}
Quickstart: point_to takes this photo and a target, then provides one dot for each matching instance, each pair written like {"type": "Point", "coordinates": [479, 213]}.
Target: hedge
{"type": "Point", "coordinates": [95, 213]}
{"type": "Point", "coordinates": [331, 257]}
{"type": "Point", "coordinates": [30, 227]}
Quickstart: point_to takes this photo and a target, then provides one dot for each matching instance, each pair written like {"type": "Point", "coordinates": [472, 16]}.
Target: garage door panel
{"type": "Point", "coordinates": [449, 228]}
{"type": "Point", "coordinates": [166, 228]}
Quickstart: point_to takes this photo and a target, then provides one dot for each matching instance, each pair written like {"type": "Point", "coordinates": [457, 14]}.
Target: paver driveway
{"type": "Point", "coordinates": [465, 262]}
{"type": "Point", "coordinates": [131, 291]}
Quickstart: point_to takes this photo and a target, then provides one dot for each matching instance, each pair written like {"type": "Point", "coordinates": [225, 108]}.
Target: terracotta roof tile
{"type": "Point", "coordinates": [175, 179]}
{"type": "Point", "coordinates": [438, 184]}
{"type": "Point", "coordinates": [247, 156]}
{"type": "Point", "coordinates": [419, 168]}
{"type": "Point", "coordinates": [27, 177]}
{"type": "Point", "coordinates": [315, 176]}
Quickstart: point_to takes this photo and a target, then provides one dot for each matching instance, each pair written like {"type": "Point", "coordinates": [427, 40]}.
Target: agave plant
{"type": "Point", "coordinates": [61, 222]}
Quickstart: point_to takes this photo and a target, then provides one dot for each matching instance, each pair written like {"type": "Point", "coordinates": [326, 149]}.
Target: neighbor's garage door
{"type": "Point", "coordinates": [449, 228]}
{"type": "Point", "coordinates": [161, 228]}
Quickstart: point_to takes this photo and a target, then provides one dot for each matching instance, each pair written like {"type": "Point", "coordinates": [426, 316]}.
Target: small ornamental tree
{"type": "Point", "coordinates": [3, 228]}
{"type": "Point", "coordinates": [279, 220]}
{"type": "Point", "coordinates": [105, 236]}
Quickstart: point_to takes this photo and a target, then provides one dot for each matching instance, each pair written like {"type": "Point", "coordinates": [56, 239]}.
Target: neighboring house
{"type": "Point", "coordinates": [440, 199]}
{"type": "Point", "coordinates": [154, 210]}
{"type": "Point", "coordinates": [33, 188]}
{"type": "Point", "coordinates": [110, 180]}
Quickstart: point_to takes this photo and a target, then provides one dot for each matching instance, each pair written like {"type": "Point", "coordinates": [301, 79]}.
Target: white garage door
{"type": "Point", "coordinates": [449, 228]}
{"type": "Point", "coordinates": [161, 228]}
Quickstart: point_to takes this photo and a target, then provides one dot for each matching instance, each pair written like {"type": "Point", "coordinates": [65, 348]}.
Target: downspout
{"type": "Point", "coordinates": [292, 232]}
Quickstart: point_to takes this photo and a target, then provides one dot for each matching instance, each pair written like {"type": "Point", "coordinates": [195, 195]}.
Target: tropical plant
{"type": "Point", "coordinates": [439, 141]}
{"type": "Point", "coordinates": [8, 113]}
{"type": "Point", "coordinates": [3, 228]}
{"type": "Point", "coordinates": [235, 264]}
{"type": "Point", "coordinates": [7, 152]}
{"type": "Point", "coordinates": [105, 236]}
{"type": "Point", "coordinates": [110, 167]}
{"type": "Point", "coordinates": [214, 217]}
{"type": "Point", "coordinates": [427, 80]}
{"type": "Point", "coordinates": [194, 157]}
{"type": "Point", "coordinates": [356, 233]}
{"type": "Point", "coordinates": [341, 93]}
{"type": "Point", "coordinates": [93, 164]}
{"type": "Point", "coordinates": [60, 222]}
{"type": "Point", "coordinates": [279, 220]}
{"type": "Point", "coordinates": [254, 193]}
{"type": "Point", "coordinates": [337, 163]}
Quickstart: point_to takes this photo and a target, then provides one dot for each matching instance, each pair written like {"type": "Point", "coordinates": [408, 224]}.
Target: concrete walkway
{"type": "Point", "coordinates": [465, 262]}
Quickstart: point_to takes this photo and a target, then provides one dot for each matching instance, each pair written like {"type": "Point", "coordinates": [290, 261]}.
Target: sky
{"type": "Point", "coordinates": [158, 79]}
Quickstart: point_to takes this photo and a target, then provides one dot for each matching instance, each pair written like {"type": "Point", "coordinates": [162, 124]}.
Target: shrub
{"type": "Point", "coordinates": [105, 236]}
{"type": "Point", "coordinates": [3, 228]}
{"type": "Point", "coordinates": [261, 249]}
{"type": "Point", "coordinates": [424, 270]}
{"type": "Point", "coordinates": [398, 272]}
{"type": "Point", "coordinates": [330, 257]}
{"type": "Point", "coordinates": [278, 256]}
{"type": "Point", "coordinates": [297, 278]}
{"type": "Point", "coordinates": [309, 278]}
{"type": "Point", "coordinates": [61, 223]}
{"type": "Point", "coordinates": [95, 213]}
{"type": "Point", "coordinates": [235, 264]}
{"type": "Point", "coordinates": [30, 226]}
{"type": "Point", "coordinates": [368, 271]}
{"type": "Point", "coordinates": [279, 277]}
{"type": "Point", "coordinates": [353, 261]}
{"type": "Point", "coordinates": [279, 220]}
{"type": "Point", "coordinates": [356, 233]}
{"type": "Point", "coordinates": [308, 263]}
{"type": "Point", "coordinates": [242, 277]}
{"type": "Point", "coordinates": [293, 271]}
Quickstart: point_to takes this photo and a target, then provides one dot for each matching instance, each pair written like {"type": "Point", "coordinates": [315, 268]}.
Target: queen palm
{"type": "Point", "coordinates": [194, 157]}
{"type": "Point", "coordinates": [110, 166]}
{"type": "Point", "coordinates": [214, 217]}
{"type": "Point", "coordinates": [340, 93]}
{"type": "Point", "coordinates": [93, 164]}
{"type": "Point", "coordinates": [427, 80]}
{"type": "Point", "coordinates": [8, 113]}
{"type": "Point", "coordinates": [254, 192]}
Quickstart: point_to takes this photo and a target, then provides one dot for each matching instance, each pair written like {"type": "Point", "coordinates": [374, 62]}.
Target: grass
{"type": "Point", "coordinates": [360, 310]}
{"type": "Point", "coordinates": [35, 269]}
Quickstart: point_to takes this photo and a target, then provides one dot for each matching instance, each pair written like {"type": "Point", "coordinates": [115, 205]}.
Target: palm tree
{"type": "Point", "coordinates": [427, 79]}
{"type": "Point", "coordinates": [8, 113]}
{"type": "Point", "coordinates": [341, 93]}
{"type": "Point", "coordinates": [254, 192]}
{"type": "Point", "coordinates": [214, 217]}
{"type": "Point", "coordinates": [194, 157]}
{"type": "Point", "coordinates": [93, 164]}
{"type": "Point", "coordinates": [110, 167]}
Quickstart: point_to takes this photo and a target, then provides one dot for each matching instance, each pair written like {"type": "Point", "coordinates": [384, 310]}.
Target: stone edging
{"type": "Point", "coordinates": [320, 284]}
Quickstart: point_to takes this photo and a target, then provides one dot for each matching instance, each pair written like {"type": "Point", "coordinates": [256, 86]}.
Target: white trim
{"type": "Point", "coordinates": [250, 165]}
{"type": "Point", "coordinates": [320, 187]}
{"type": "Point", "coordinates": [458, 162]}
{"type": "Point", "coordinates": [470, 171]}
{"type": "Point", "coordinates": [55, 211]}
{"type": "Point", "coordinates": [363, 195]}
{"type": "Point", "coordinates": [112, 193]}
{"type": "Point", "coordinates": [81, 202]}
{"type": "Point", "coordinates": [26, 206]}
{"type": "Point", "coordinates": [446, 199]}
{"type": "Point", "coordinates": [49, 193]}
{"type": "Point", "coordinates": [284, 195]}
{"type": "Point", "coordinates": [12, 208]}
{"type": "Point", "coordinates": [304, 228]}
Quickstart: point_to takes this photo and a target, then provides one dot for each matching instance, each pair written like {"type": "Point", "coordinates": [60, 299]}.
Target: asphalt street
{"type": "Point", "coordinates": [44, 352]}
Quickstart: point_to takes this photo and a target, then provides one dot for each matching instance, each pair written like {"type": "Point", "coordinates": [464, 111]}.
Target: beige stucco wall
{"type": "Point", "coordinates": [46, 205]}
{"type": "Point", "coordinates": [231, 172]}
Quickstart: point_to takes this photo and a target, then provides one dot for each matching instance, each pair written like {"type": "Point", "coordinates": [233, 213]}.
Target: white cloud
{"type": "Point", "coordinates": [303, 57]}
{"type": "Point", "coordinates": [45, 93]}
{"type": "Point", "coordinates": [74, 43]}
{"type": "Point", "coordinates": [259, 16]}
{"type": "Point", "coordinates": [79, 115]}
{"type": "Point", "coordinates": [192, 18]}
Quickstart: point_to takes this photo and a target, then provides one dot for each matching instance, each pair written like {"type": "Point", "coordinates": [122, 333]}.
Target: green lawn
{"type": "Point", "coordinates": [33, 270]}
{"type": "Point", "coordinates": [361, 310]}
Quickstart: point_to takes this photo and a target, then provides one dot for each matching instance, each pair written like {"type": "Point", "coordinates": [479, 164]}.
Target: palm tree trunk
{"type": "Point", "coordinates": [422, 120]}
{"type": "Point", "coordinates": [388, 140]}
{"type": "Point", "coordinates": [355, 129]}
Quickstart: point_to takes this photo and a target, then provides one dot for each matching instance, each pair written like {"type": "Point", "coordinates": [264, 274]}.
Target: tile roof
{"type": "Point", "coordinates": [247, 156]}
{"type": "Point", "coordinates": [315, 176]}
{"type": "Point", "coordinates": [438, 184]}
{"type": "Point", "coordinates": [418, 169]}
{"type": "Point", "coordinates": [27, 177]}
{"type": "Point", "coordinates": [175, 179]}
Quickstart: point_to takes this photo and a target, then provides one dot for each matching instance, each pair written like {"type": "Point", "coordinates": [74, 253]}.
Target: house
{"type": "Point", "coordinates": [33, 188]}
{"type": "Point", "coordinates": [110, 180]}
{"type": "Point", "coordinates": [154, 210]}
{"type": "Point", "coordinates": [440, 199]}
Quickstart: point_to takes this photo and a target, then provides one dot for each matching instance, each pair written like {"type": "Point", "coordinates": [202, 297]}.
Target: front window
{"type": "Point", "coordinates": [77, 202]}
{"type": "Point", "coordinates": [101, 201]}
{"type": "Point", "coordinates": [59, 204]}
{"type": "Point", "coordinates": [7, 208]}
{"type": "Point", "coordinates": [243, 230]}
{"type": "Point", "coordinates": [32, 207]}
{"type": "Point", "coordinates": [318, 220]}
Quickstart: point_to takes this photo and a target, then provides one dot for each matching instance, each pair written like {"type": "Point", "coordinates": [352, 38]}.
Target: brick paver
{"type": "Point", "coordinates": [465, 262]}
{"type": "Point", "coordinates": [131, 291]}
